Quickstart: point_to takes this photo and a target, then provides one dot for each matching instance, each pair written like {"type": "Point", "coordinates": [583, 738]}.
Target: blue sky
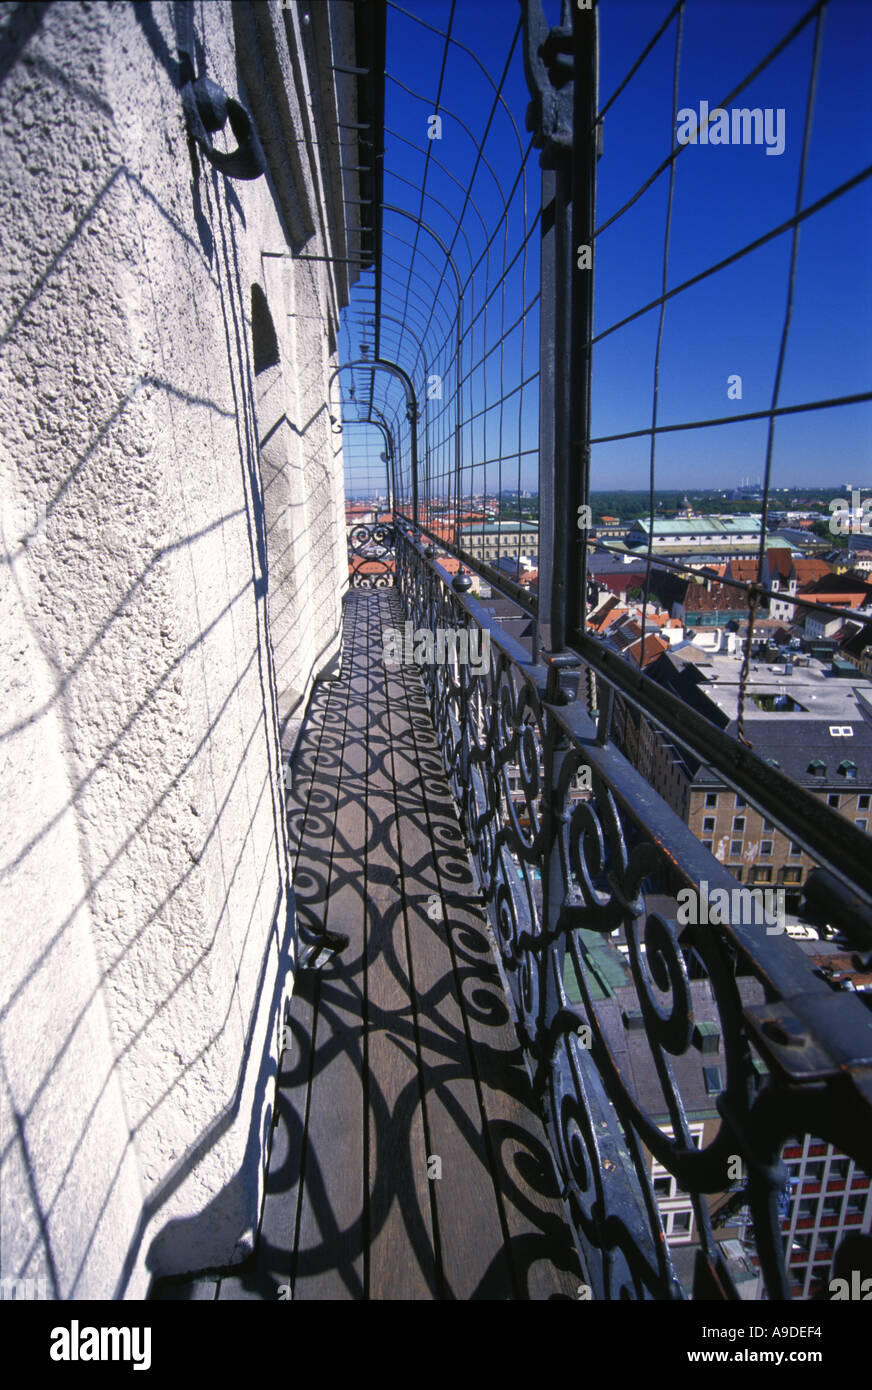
{"type": "Point", "coordinates": [724, 197]}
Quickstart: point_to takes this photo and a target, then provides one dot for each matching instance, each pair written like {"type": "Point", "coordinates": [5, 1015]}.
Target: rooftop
{"type": "Point", "coordinates": [726, 526]}
{"type": "Point", "coordinates": [811, 686]}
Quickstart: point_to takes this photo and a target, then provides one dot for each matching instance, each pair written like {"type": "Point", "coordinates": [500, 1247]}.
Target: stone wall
{"type": "Point", "coordinates": [171, 565]}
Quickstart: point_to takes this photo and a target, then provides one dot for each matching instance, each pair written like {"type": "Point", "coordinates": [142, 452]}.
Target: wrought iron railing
{"type": "Point", "coordinates": [371, 555]}
{"type": "Point", "coordinates": [566, 878]}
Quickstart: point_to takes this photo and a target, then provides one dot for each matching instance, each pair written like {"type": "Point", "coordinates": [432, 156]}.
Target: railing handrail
{"type": "Point", "coordinates": [815, 1043]}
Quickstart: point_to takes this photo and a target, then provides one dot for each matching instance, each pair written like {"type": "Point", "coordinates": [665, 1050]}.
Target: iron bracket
{"type": "Point", "coordinates": [804, 1038]}
{"type": "Point", "coordinates": [564, 674]}
{"type": "Point", "coordinates": [208, 108]}
{"type": "Point", "coordinates": [548, 63]}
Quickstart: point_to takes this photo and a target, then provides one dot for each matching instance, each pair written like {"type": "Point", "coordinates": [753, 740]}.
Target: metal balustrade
{"type": "Point", "coordinates": [796, 1053]}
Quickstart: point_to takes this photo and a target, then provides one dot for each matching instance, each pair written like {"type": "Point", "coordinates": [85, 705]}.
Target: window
{"type": "Point", "coordinates": [834, 800]}
{"type": "Point", "coordinates": [860, 824]}
{"type": "Point", "coordinates": [741, 803]}
{"type": "Point", "coordinates": [816, 768]}
{"type": "Point", "coordinates": [795, 848]}
{"type": "Point", "coordinates": [708, 823]}
{"type": "Point", "coordinates": [714, 1081]}
{"type": "Point", "coordinates": [677, 1224]}
{"type": "Point", "coordinates": [711, 799]}
{"type": "Point", "coordinates": [863, 802]}
{"type": "Point", "coordinates": [791, 875]}
{"type": "Point", "coordinates": [848, 769]}
{"type": "Point", "coordinates": [738, 825]}
{"type": "Point", "coordinates": [736, 871]}
{"type": "Point", "coordinates": [709, 845]}
{"type": "Point", "coordinates": [761, 873]}
{"type": "Point", "coordinates": [768, 825]}
{"type": "Point", "coordinates": [766, 848]}
{"type": "Point", "coordinates": [735, 847]}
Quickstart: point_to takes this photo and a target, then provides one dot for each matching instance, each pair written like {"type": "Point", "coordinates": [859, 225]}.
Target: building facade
{"type": "Point", "coordinates": [172, 564]}
{"type": "Point", "coordinates": [489, 542]}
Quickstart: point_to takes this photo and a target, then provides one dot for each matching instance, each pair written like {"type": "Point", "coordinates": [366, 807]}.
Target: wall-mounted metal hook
{"type": "Point", "coordinates": [208, 108]}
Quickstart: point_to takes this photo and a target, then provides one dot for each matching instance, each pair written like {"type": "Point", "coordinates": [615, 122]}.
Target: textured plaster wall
{"type": "Point", "coordinates": [146, 906]}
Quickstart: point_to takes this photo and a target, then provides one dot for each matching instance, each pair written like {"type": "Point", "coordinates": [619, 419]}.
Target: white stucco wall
{"type": "Point", "coordinates": [144, 885]}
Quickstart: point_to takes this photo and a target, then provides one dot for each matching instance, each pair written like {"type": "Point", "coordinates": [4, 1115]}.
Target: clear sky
{"type": "Point", "coordinates": [724, 196]}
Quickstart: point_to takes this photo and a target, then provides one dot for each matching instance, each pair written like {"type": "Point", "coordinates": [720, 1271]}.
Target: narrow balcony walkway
{"type": "Point", "coordinates": [403, 1062]}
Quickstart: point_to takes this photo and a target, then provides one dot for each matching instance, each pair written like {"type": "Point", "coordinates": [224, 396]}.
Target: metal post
{"type": "Point", "coordinates": [547, 409]}
{"type": "Point", "coordinates": [585, 152]}
{"type": "Point", "coordinates": [563, 506]}
{"type": "Point", "coordinates": [412, 413]}
{"type": "Point", "coordinates": [561, 74]}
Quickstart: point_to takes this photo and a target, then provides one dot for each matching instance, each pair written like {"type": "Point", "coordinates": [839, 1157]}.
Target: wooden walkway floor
{"type": "Point", "coordinates": [402, 1063]}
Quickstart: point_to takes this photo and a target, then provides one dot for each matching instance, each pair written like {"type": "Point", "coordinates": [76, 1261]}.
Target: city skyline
{"type": "Point", "coordinates": [721, 337]}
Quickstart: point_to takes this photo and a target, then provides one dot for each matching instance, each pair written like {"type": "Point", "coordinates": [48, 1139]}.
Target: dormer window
{"type": "Point", "coordinates": [848, 769]}
{"type": "Point", "coordinates": [816, 768]}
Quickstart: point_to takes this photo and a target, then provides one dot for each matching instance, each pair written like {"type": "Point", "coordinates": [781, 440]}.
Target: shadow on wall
{"type": "Point", "coordinates": [146, 613]}
{"type": "Point", "coordinates": [67, 511]}
{"type": "Point", "coordinates": [229, 1213]}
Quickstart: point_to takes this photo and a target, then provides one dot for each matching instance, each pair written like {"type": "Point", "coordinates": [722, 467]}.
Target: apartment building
{"type": "Point", "coordinates": [817, 731]}
{"type": "Point", "coordinates": [786, 573]}
{"type": "Point", "coordinates": [827, 1197]}
{"type": "Point", "coordinates": [492, 541]}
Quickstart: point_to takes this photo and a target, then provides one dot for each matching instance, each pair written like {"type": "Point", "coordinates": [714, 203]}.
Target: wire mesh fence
{"type": "Point", "coordinates": [519, 354]}
{"type": "Point", "coordinates": [455, 305]}
{"type": "Point", "coordinates": [725, 318]}
{"type": "Point", "coordinates": [503, 420]}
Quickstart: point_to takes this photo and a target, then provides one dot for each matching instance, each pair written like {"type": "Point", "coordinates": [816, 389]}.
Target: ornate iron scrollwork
{"type": "Point", "coordinates": [371, 555]}
{"type": "Point", "coordinates": [562, 874]}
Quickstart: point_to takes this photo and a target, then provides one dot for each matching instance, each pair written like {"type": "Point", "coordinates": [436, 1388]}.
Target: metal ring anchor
{"type": "Point", "coordinates": [208, 108]}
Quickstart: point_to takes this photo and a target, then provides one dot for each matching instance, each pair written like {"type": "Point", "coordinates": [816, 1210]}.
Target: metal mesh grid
{"type": "Point", "coordinates": [457, 291]}
{"type": "Point", "coordinates": [456, 303]}
{"type": "Point", "coordinates": [795, 196]}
